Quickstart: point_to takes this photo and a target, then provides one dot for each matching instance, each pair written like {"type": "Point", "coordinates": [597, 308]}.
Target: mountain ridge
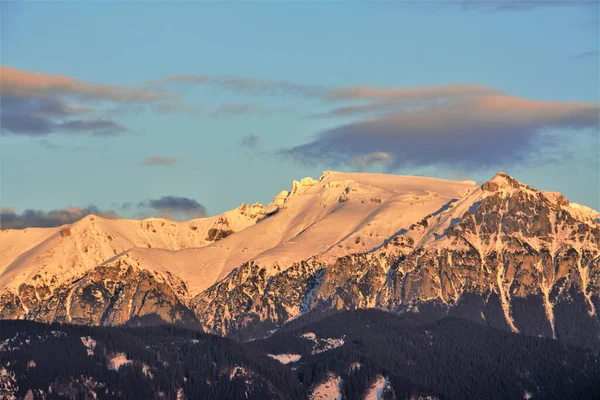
{"type": "Point", "coordinates": [501, 253]}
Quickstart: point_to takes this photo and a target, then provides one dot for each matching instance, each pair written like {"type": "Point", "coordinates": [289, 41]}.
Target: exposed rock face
{"type": "Point", "coordinates": [219, 231]}
{"type": "Point", "coordinates": [504, 255]}
{"type": "Point", "coordinates": [103, 296]}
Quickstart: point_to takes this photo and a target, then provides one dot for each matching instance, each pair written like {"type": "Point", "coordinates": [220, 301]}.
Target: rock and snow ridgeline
{"type": "Point", "coordinates": [344, 241]}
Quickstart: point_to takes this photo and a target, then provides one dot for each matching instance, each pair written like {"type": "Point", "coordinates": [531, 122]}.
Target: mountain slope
{"type": "Point", "coordinates": [365, 354]}
{"type": "Point", "coordinates": [450, 358]}
{"type": "Point", "coordinates": [41, 361]}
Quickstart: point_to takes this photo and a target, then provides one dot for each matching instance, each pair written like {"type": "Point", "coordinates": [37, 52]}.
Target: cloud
{"type": "Point", "coordinates": [261, 87]}
{"type": "Point", "coordinates": [29, 124]}
{"type": "Point", "coordinates": [175, 207]}
{"type": "Point", "coordinates": [98, 127]}
{"type": "Point", "coordinates": [238, 109]}
{"type": "Point", "coordinates": [517, 5]}
{"type": "Point", "coordinates": [586, 54]}
{"type": "Point", "coordinates": [465, 125]}
{"type": "Point", "coordinates": [38, 104]}
{"type": "Point", "coordinates": [178, 107]}
{"type": "Point", "coordinates": [9, 219]}
{"type": "Point", "coordinates": [362, 162]}
{"type": "Point", "coordinates": [161, 161]}
{"type": "Point", "coordinates": [24, 84]}
{"type": "Point", "coordinates": [385, 100]}
{"type": "Point", "coordinates": [243, 85]}
{"type": "Point", "coordinates": [249, 142]}
{"type": "Point", "coordinates": [42, 116]}
{"type": "Point", "coordinates": [464, 131]}
{"type": "Point", "coordinates": [409, 94]}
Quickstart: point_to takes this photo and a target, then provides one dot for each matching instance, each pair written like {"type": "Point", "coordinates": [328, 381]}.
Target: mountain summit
{"type": "Point", "coordinates": [502, 254]}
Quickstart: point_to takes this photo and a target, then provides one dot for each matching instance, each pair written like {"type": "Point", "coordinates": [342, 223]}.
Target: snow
{"type": "Point", "coordinates": [286, 358]}
{"type": "Point", "coordinates": [147, 371]}
{"type": "Point", "coordinates": [15, 343]}
{"type": "Point", "coordinates": [327, 344]}
{"type": "Point", "coordinates": [235, 371]}
{"type": "Point", "coordinates": [587, 214]}
{"type": "Point", "coordinates": [90, 344]}
{"type": "Point", "coordinates": [375, 392]}
{"type": "Point", "coordinates": [329, 389]}
{"type": "Point", "coordinates": [322, 345]}
{"type": "Point", "coordinates": [117, 361]}
{"type": "Point", "coordinates": [355, 365]}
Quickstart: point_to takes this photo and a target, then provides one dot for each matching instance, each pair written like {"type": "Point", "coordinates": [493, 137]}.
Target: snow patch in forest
{"type": "Point", "coordinates": [117, 361]}
{"type": "Point", "coordinates": [286, 358]}
{"type": "Point", "coordinates": [89, 343]}
{"type": "Point", "coordinates": [329, 389]}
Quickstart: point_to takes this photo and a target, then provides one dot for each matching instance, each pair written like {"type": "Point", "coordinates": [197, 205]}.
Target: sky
{"type": "Point", "coordinates": [187, 109]}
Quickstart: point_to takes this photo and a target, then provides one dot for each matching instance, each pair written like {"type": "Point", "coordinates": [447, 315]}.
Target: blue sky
{"type": "Point", "coordinates": [225, 142]}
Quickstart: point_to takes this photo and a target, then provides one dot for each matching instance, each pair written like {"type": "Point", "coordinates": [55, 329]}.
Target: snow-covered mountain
{"type": "Point", "coordinates": [502, 253]}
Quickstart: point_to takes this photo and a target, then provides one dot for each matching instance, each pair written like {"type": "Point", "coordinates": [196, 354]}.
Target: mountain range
{"type": "Point", "coordinates": [501, 254]}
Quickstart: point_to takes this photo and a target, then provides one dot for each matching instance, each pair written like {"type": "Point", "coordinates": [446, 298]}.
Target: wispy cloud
{"type": "Point", "coordinates": [517, 5]}
{"type": "Point", "coordinates": [179, 107]}
{"type": "Point", "coordinates": [229, 110]}
{"type": "Point", "coordinates": [420, 94]}
{"type": "Point", "coordinates": [24, 84]}
{"type": "Point", "coordinates": [242, 85]}
{"type": "Point", "coordinates": [586, 54]}
{"type": "Point", "coordinates": [362, 162]}
{"type": "Point", "coordinates": [161, 161]}
{"type": "Point", "coordinates": [9, 219]}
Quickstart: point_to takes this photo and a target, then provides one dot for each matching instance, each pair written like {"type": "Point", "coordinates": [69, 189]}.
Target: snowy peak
{"type": "Point", "coordinates": [501, 181]}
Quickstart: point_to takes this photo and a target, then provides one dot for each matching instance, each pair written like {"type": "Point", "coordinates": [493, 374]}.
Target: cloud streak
{"type": "Point", "coordinates": [24, 84]}
{"type": "Point", "coordinates": [586, 54]}
{"type": "Point", "coordinates": [517, 5]}
{"type": "Point", "coordinates": [231, 110]}
{"type": "Point", "coordinates": [160, 161]}
{"type": "Point", "coordinates": [178, 107]}
{"type": "Point", "coordinates": [9, 219]}
{"type": "Point", "coordinates": [243, 85]}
